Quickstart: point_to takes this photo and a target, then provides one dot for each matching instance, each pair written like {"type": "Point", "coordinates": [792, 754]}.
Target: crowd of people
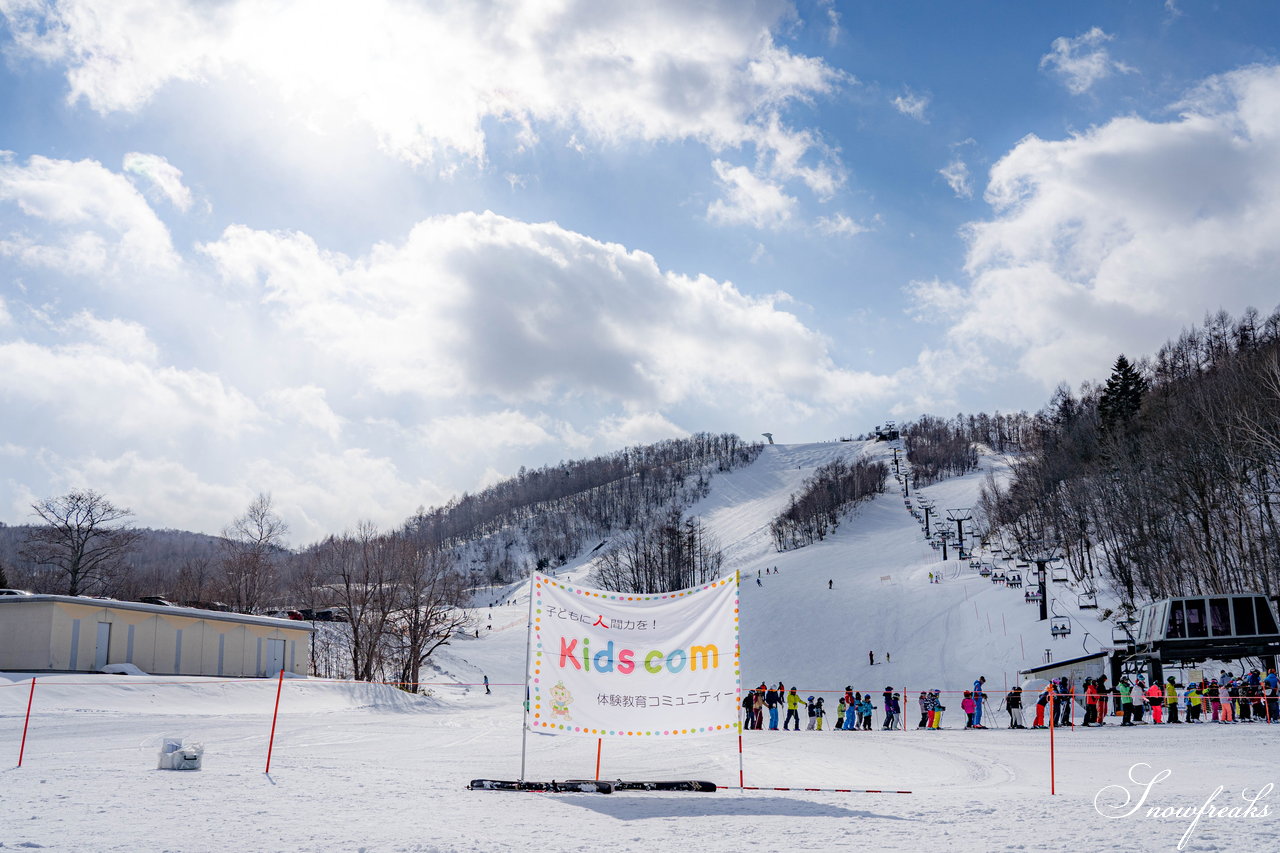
{"type": "Point", "coordinates": [1250, 697]}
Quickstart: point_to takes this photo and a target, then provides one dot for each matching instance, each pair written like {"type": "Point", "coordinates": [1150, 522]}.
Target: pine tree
{"type": "Point", "coordinates": [1121, 398]}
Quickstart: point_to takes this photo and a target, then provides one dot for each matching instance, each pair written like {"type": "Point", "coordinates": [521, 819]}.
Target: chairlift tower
{"type": "Point", "coordinates": [960, 516]}
{"type": "Point", "coordinates": [926, 505]}
{"type": "Point", "coordinates": [1042, 554]}
{"type": "Point", "coordinates": [944, 535]}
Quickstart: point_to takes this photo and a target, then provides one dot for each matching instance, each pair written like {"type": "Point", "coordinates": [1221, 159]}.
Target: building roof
{"type": "Point", "coordinates": [1058, 664]}
{"type": "Point", "coordinates": [160, 609]}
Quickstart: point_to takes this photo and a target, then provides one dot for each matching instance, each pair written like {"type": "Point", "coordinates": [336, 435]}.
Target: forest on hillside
{"type": "Point", "coordinates": [1163, 480]}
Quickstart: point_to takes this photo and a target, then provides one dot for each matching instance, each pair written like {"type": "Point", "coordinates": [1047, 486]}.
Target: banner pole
{"type": "Point", "coordinates": [30, 698]}
{"type": "Point", "coordinates": [528, 647]}
{"type": "Point", "coordinates": [599, 748]}
{"type": "Point", "coordinates": [737, 645]}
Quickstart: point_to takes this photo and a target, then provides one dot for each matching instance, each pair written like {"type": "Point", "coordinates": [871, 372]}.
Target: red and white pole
{"type": "Point", "coordinates": [1053, 785]}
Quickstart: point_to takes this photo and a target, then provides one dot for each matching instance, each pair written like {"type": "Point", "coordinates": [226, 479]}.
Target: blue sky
{"type": "Point", "coordinates": [366, 256]}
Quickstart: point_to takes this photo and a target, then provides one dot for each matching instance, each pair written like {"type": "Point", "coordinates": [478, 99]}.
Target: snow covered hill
{"type": "Point", "coordinates": [797, 630]}
{"type": "Point", "coordinates": [368, 767]}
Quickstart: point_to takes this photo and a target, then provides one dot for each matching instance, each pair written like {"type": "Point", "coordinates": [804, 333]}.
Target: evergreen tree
{"type": "Point", "coordinates": [1121, 398]}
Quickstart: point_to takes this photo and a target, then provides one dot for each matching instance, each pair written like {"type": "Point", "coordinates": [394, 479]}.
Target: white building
{"type": "Point", "coordinates": [60, 633]}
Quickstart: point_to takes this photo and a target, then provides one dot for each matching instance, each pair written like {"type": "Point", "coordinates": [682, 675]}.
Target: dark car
{"type": "Point", "coordinates": [155, 599]}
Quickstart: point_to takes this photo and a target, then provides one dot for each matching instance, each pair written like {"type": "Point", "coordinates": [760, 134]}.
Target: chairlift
{"type": "Point", "coordinates": [1087, 600]}
{"type": "Point", "coordinates": [1032, 596]}
{"type": "Point", "coordinates": [1059, 574]}
{"type": "Point", "coordinates": [1059, 627]}
{"type": "Point", "coordinates": [998, 578]}
{"type": "Point", "coordinates": [1015, 580]}
{"type": "Point", "coordinates": [985, 571]}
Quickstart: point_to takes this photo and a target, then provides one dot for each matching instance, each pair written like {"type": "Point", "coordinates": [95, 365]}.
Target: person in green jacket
{"type": "Point", "coordinates": [1126, 701]}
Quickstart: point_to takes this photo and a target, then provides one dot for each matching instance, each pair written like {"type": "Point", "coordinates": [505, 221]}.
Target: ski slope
{"type": "Point", "coordinates": [368, 767]}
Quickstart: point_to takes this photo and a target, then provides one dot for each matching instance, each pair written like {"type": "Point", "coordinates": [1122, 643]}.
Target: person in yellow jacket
{"type": "Point", "coordinates": [1171, 700]}
{"type": "Point", "coordinates": [1193, 704]}
{"type": "Point", "coordinates": [793, 709]}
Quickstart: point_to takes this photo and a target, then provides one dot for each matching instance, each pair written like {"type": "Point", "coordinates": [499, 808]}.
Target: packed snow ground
{"type": "Point", "coordinates": [368, 767]}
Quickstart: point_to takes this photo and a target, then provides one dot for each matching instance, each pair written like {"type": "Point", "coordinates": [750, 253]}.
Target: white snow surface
{"type": "Point", "coordinates": [369, 767]}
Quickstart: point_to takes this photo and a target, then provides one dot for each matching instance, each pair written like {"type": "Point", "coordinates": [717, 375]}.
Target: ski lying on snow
{"type": "Point", "coordinates": [591, 786]}
{"type": "Point", "coordinates": [581, 786]}
{"type": "Point", "coordinates": [676, 785]}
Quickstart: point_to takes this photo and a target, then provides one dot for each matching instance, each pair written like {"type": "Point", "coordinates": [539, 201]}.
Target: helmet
{"type": "Point", "coordinates": [810, 699]}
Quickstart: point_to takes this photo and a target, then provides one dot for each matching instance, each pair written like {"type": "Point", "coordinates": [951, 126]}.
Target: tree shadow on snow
{"type": "Point", "coordinates": [725, 804]}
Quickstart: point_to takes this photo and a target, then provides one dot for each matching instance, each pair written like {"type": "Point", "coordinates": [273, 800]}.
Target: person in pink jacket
{"type": "Point", "coordinates": [1156, 697]}
{"type": "Point", "coordinates": [968, 706]}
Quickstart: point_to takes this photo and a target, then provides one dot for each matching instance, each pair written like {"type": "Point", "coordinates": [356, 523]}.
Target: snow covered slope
{"type": "Point", "coordinates": [797, 630]}
{"type": "Point", "coordinates": [367, 767]}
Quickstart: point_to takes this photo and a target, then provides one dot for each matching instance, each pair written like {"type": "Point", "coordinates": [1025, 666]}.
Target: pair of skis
{"type": "Point", "coordinates": [590, 786]}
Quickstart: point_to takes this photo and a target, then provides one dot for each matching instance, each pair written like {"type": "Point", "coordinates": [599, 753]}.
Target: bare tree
{"type": "Point", "coordinates": [251, 545]}
{"type": "Point", "coordinates": [429, 607]}
{"type": "Point", "coordinates": [84, 538]}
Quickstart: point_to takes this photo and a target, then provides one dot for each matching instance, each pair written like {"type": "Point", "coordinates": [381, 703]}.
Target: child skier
{"type": "Point", "coordinates": [867, 708]}
{"type": "Point", "coordinates": [812, 708]}
{"type": "Point", "coordinates": [840, 709]}
{"type": "Point", "coordinates": [820, 712]}
{"type": "Point", "coordinates": [967, 705]}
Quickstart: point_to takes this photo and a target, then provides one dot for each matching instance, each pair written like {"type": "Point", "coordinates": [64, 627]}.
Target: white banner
{"type": "Point", "coordinates": [610, 664]}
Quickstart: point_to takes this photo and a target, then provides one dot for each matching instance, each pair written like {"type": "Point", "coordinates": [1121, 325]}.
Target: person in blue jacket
{"type": "Point", "coordinates": [978, 701]}
{"type": "Point", "coordinates": [850, 715]}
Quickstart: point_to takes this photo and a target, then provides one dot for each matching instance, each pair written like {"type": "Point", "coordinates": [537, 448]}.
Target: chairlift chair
{"type": "Point", "coordinates": [1015, 580]}
{"type": "Point", "coordinates": [1059, 627]}
{"type": "Point", "coordinates": [1087, 600]}
{"type": "Point", "coordinates": [1059, 574]}
{"type": "Point", "coordinates": [985, 571]}
{"type": "Point", "coordinates": [1032, 596]}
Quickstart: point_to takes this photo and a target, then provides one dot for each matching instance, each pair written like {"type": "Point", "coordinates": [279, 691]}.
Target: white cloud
{"type": "Point", "coordinates": [115, 395]}
{"type": "Point", "coordinates": [840, 226]}
{"type": "Point", "coordinates": [749, 200]}
{"type": "Point", "coordinates": [507, 428]}
{"type": "Point", "coordinates": [425, 79]}
{"type": "Point", "coordinates": [163, 176]}
{"type": "Point", "coordinates": [480, 305]}
{"type": "Point", "coordinates": [956, 174]}
{"type": "Point", "coordinates": [1111, 240]}
{"type": "Point", "coordinates": [124, 339]}
{"type": "Point", "coordinates": [81, 218]}
{"type": "Point", "coordinates": [912, 105]}
{"type": "Point", "coordinates": [1082, 61]}
{"type": "Point", "coordinates": [935, 300]}
{"type": "Point", "coordinates": [638, 428]}
{"type": "Point", "coordinates": [304, 406]}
